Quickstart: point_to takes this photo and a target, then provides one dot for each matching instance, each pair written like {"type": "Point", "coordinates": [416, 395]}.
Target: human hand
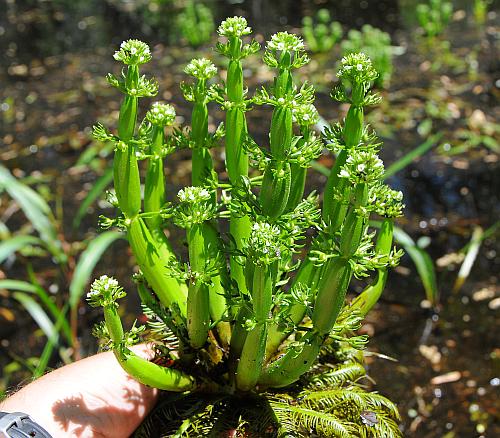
{"type": "Point", "coordinates": [93, 397]}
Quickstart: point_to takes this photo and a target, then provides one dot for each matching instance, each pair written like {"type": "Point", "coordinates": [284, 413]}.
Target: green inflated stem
{"type": "Point", "coordinates": [198, 311]}
{"type": "Point", "coordinates": [149, 259]}
{"type": "Point", "coordinates": [141, 369]}
{"type": "Point", "coordinates": [291, 365]}
{"type": "Point", "coordinates": [308, 275]}
{"type": "Point", "coordinates": [365, 301]}
{"type": "Point", "coordinates": [125, 168]}
{"type": "Point", "coordinates": [154, 198]}
{"type": "Point", "coordinates": [236, 156]}
{"type": "Point", "coordinates": [254, 348]}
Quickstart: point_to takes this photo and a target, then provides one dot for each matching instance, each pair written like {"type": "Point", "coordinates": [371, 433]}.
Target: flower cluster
{"type": "Point", "coordinates": [105, 291]}
{"type": "Point", "coordinates": [201, 68]}
{"type": "Point", "coordinates": [161, 114]}
{"type": "Point", "coordinates": [362, 166]}
{"type": "Point", "coordinates": [357, 68]}
{"type": "Point", "coordinates": [264, 245]}
{"type": "Point", "coordinates": [195, 206]}
{"type": "Point", "coordinates": [284, 41]}
{"type": "Point", "coordinates": [193, 195]}
{"type": "Point", "coordinates": [133, 52]}
{"type": "Point", "coordinates": [388, 202]}
{"type": "Point", "coordinates": [305, 115]}
{"type": "Point", "coordinates": [234, 27]}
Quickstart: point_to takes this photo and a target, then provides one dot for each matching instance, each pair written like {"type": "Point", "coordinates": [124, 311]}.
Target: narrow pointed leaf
{"type": "Point", "coordinates": [16, 243]}
{"type": "Point", "coordinates": [36, 210]}
{"type": "Point", "coordinates": [97, 189]}
{"type": "Point", "coordinates": [87, 262]}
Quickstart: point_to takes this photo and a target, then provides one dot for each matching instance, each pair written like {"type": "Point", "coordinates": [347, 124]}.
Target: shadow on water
{"type": "Point", "coordinates": [446, 378]}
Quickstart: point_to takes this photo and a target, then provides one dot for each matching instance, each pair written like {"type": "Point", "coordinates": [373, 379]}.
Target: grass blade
{"type": "Point", "coordinates": [320, 168]}
{"type": "Point", "coordinates": [470, 258]}
{"type": "Point", "coordinates": [24, 286]}
{"type": "Point", "coordinates": [99, 186]}
{"type": "Point", "coordinates": [16, 243]}
{"type": "Point", "coordinates": [423, 263]}
{"type": "Point", "coordinates": [405, 160]}
{"type": "Point", "coordinates": [421, 260]}
{"type": "Point", "coordinates": [36, 210]}
{"type": "Point", "coordinates": [397, 165]}
{"type": "Point", "coordinates": [49, 347]}
{"type": "Point", "coordinates": [38, 315]}
{"type": "Point", "coordinates": [87, 262]}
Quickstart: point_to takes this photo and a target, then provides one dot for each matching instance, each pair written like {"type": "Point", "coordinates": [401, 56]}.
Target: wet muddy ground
{"type": "Point", "coordinates": [445, 377]}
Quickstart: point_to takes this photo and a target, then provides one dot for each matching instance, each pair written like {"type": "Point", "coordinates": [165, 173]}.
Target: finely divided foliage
{"type": "Point", "coordinates": [252, 329]}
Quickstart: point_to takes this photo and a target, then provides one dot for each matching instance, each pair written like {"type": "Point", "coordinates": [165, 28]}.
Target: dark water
{"type": "Point", "coordinates": [53, 60]}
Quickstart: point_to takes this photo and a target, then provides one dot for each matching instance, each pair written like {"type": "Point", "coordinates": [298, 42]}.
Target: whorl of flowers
{"type": "Point", "coordinates": [264, 245]}
{"type": "Point", "coordinates": [234, 27]}
{"type": "Point", "coordinates": [201, 68]}
{"type": "Point", "coordinates": [362, 167]}
{"type": "Point", "coordinates": [388, 202]}
{"type": "Point", "coordinates": [195, 207]}
{"type": "Point", "coordinates": [357, 68]}
{"type": "Point", "coordinates": [105, 291]}
{"type": "Point", "coordinates": [193, 195]}
{"type": "Point", "coordinates": [133, 52]}
{"type": "Point", "coordinates": [161, 114]}
{"type": "Point", "coordinates": [305, 115]}
{"type": "Point", "coordinates": [284, 41]}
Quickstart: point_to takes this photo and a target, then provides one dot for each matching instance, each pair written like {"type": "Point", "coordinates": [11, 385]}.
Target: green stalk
{"type": "Point", "coordinates": [153, 375]}
{"type": "Point", "coordinates": [275, 189]}
{"type": "Point", "coordinates": [309, 275]}
{"type": "Point", "coordinates": [236, 161]}
{"type": "Point", "coordinates": [158, 276]}
{"type": "Point", "coordinates": [113, 323]}
{"type": "Point", "coordinates": [206, 300]}
{"type": "Point", "coordinates": [252, 356]}
{"type": "Point", "coordinates": [238, 338]}
{"type": "Point", "coordinates": [125, 168]}
{"type": "Point", "coordinates": [355, 223]}
{"type": "Point", "coordinates": [331, 294]}
{"type": "Point", "coordinates": [298, 184]}
{"type": "Point", "coordinates": [338, 272]}
{"type": "Point", "coordinates": [154, 196]}
{"type": "Point", "coordinates": [140, 369]}
{"type": "Point", "coordinates": [236, 156]}
{"type": "Point", "coordinates": [216, 291]}
{"type": "Point", "coordinates": [289, 367]}
{"type": "Point", "coordinates": [334, 210]}
{"type": "Point", "coordinates": [154, 186]}
{"type": "Point", "coordinates": [128, 192]}
{"type": "Point", "coordinates": [365, 301]}
{"type": "Point", "coordinates": [202, 163]}
{"type": "Point", "coordinates": [277, 180]}
{"type": "Point", "coordinates": [198, 311]}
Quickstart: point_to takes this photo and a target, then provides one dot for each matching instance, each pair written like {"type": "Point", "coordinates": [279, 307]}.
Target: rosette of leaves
{"type": "Point", "coordinates": [320, 32]}
{"type": "Point", "coordinates": [377, 45]}
{"type": "Point", "coordinates": [196, 23]}
{"type": "Point", "coordinates": [434, 16]}
{"type": "Point", "coordinates": [251, 327]}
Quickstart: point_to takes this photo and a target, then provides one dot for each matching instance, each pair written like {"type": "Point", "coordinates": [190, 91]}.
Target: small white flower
{"type": "Point", "coordinates": [201, 68]}
{"type": "Point", "coordinates": [234, 27]}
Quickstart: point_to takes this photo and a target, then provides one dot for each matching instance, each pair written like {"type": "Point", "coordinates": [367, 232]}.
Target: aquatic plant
{"type": "Point", "coordinates": [434, 16]}
{"type": "Point", "coordinates": [252, 330]}
{"type": "Point", "coordinates": [480, 10]}
{"type": "Point", "coordinates": [196, 23]}
{"type": "Point", "coordinates": [321, 33]}
{"type": "Point", "coordinates": [377, 45]}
